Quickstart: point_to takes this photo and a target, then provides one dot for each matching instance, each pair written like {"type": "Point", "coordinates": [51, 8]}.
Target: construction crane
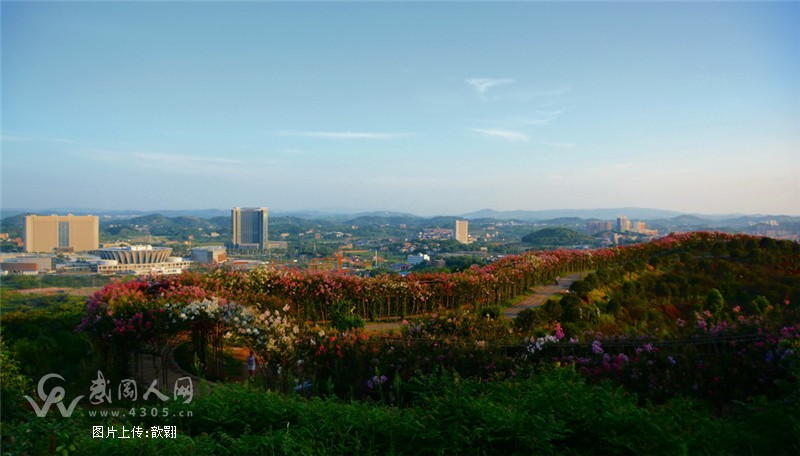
{"type": "Point", "coordinates": [345, 258]}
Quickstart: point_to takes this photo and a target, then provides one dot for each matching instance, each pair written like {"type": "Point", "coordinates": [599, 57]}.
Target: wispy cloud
{"type": "Point", "coordinates": [508, 135]}
{"type": "Point", "coordinates": [160, 160]}
{"type": "Point", "coordinates": [180, 158]}
{"type": "Point", "coordinates": [544, 118]}
{"type": "Point", "coordinates": [523, 95]}
{"type": "Point", "coordinates": [341, 134]}
{"type": "Point", "coordinates": [19, 138]}
{"type": "Point", "coordinates": [562, 145]}
{"type": "Point", "coordinates": [481, 85]}
{"type": "Point", "coordinates": [13, 138]}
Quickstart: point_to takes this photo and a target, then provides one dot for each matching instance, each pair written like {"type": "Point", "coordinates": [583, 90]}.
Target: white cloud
{"type": "Point", "coordinates": [481, 85]}
{"type": "Point", "coordinates": [544, 118]}
{"type": "Point", "coordinates": [508, 135]}
{"type": "Point", "coordinates": [341, 134]}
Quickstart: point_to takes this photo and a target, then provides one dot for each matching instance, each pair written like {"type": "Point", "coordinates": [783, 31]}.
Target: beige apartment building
{"type": "Point", "coordinates": [62, 233]}
{"type": "Point", "coordinates": [462, 231]}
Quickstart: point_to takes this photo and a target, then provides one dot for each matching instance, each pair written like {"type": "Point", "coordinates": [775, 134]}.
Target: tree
{"type": "Point", "coordinates": [571, 306]}
{"type": "Point", "coordinates": [759, 305]}
{"type": "Point", "coordinates": [552, 307]}
{"type": "Point", "coordinates": [715, 303]}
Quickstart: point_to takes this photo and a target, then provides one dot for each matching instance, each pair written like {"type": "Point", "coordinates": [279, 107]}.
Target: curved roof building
{"type": "Point", "coordinates": [136, 254]}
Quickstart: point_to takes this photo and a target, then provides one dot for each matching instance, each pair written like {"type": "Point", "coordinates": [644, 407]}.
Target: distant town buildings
{"type": "Point", "coordinates": [598, 226]}
{"type": "Point", "coordinates": [417, 259]}
{"type": "Point", "coordinates": [249, 228]}
{"type": "Point", "coordinates": [436, 234]}
{"type": "Point", "coordinates": [61, 233]}
{"type": "Point", "coordinates": [621, 231]}
{"type": "Point", "coordinates": [214, 254]}
{"type": "Point", "coordinates": [462, 231]}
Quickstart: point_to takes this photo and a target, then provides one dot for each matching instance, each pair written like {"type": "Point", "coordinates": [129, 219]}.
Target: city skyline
{"type": "Point", "coordinates": [424, 108]}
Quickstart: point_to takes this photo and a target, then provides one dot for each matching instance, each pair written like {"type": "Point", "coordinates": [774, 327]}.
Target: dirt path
{"type": "Point", "coordinates": [541, 294]}
{"type": "Point", "coordinates": [382, 326]}
{"type": "Point", "coordinates": [151, 369]}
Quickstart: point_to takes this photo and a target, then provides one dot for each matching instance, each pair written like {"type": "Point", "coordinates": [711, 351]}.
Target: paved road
{"type": "Point", "coordinates": [540, 295]}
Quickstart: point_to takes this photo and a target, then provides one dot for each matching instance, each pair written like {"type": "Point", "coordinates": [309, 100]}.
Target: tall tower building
{"type": "Point", "coordinates": [462, 231]}
{"type": "Point", "coordinates": [64, 233]}
{"type": "Point", "coordinates": [623, 224]}
{"type": "Point", "coordinates": [249, 228]}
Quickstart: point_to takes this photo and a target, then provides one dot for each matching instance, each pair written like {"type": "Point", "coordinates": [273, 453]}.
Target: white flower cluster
{"type": "Point", "coordinates": [240, 319]}
{"type": "Point", "coordinates": [270, 331]}
{"type": "Point", "coordinates": [535, 345]}
{"type": "Point", "coordinates": [278, 332]}
{"type": "Point", "coordinates": [207, 309]}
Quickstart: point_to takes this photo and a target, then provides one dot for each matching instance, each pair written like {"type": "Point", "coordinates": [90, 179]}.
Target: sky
{"type": "Point", "coordinates": [420, 107]}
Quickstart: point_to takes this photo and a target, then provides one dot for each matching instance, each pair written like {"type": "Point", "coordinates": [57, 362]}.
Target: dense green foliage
{"type": "Point", "coordinates": [343, 316]}
{"type": "Point", "coordinates": [556, 237]}
{"type": "Point", "coordinates": [555, 413]}
{"type": "Point", "coordinates": [44, 340]}
{"type": "Point", "coordinates": [25, 282]}
{"type": "Point", "coordinates": [13, 385]}
{"type": "Point", "coordinates": [11, 300]}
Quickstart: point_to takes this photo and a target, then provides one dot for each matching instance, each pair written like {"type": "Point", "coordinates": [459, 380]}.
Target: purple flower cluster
{"type": "Point", "coordinates": [597, 347]}
{"type": "Point", "coordinates": [376, 382]}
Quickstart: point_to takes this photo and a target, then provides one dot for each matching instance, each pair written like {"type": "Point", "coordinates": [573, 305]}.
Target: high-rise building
{"type": "Point", "coordinates": [249, 228]}
{"type": "Point", "coordinates": [462, 231]}
{"type": "Point", "coordinates": [63, 233]}
{"type": "Point", "coordinates": [599, 226]}
{"type": "Point", "coordinates": [623, 224]}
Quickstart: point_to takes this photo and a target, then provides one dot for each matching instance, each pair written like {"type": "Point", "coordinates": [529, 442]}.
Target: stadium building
{"type": "Point", "coordinates": [138, 260]}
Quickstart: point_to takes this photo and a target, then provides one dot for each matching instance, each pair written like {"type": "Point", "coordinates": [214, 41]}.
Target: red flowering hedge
{"type": "Point", "coordinates": [129, 314]}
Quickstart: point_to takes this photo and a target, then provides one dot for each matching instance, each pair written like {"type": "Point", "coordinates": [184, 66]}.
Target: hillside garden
{"type": "Point", "coordinates": [688, 344]}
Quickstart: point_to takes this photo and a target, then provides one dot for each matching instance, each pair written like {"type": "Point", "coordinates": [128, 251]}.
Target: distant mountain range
{"type": "Point", "coordinates": [568, 216]}
{"type": "Point", "coordinates": [633, 213]}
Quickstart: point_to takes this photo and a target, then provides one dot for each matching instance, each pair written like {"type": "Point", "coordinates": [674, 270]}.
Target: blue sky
{"type": "Point", "coordinates": [428, 108]}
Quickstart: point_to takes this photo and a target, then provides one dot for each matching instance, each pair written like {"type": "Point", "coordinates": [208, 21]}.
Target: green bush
{"type": "Point", "coordinates": [343, 317]}
{"type": "Point", "coordinates": [492, 313]}
{"type": "Point", "coordinates": [13, 385]}
{"type": "Point", "coordinates": [555, 412]}
{"type": "Point", "coordinates": [528, 319]}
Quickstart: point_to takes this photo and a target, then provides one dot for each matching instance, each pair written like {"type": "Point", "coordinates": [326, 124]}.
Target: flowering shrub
{"type": "Point", "coordinates": [722, 362]}
{"type": "Point", "coordinates": [252, 309]}
{"type": "Point", "coordinates": [122, 316]}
